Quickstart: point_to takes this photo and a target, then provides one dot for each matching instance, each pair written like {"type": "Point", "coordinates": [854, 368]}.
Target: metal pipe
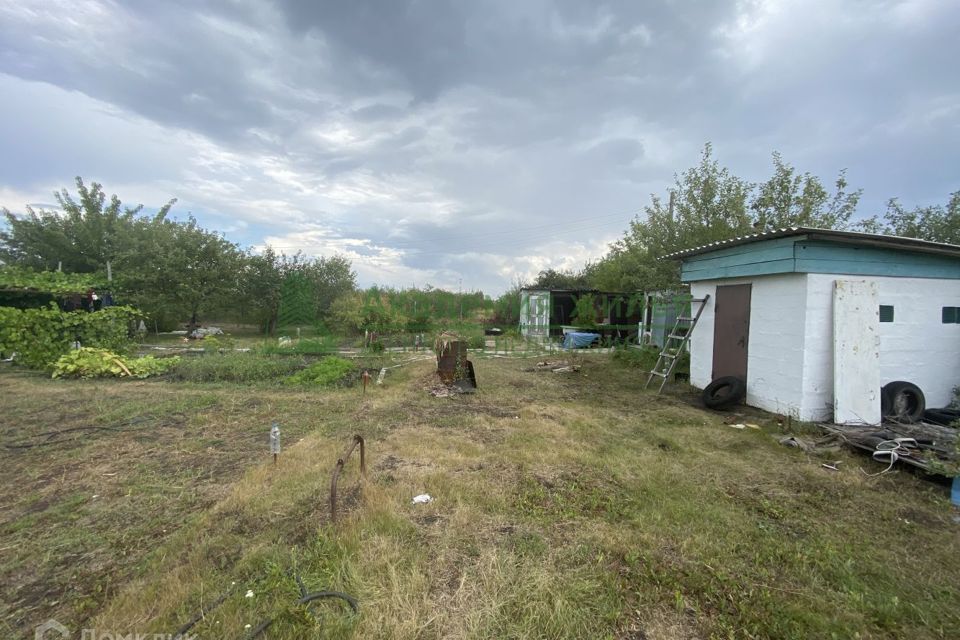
{"type": "Point", "coordinates": [341, 461]}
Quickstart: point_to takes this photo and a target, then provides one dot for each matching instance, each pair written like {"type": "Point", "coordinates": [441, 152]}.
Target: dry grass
{"type": "Point", "coordinates": [565, 506]}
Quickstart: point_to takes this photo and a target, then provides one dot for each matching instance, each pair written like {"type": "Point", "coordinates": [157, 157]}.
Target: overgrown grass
{"type": "Point", "coordinates": [306, 346]}
{"type": "Point", "coordinates": [236, 367]}
{"type": "Point", "coordinates": [328, 371]}
{"type": "Point", "coordinates": [645, 358]}
{"type": "Point", "coordinates": [565, 506]}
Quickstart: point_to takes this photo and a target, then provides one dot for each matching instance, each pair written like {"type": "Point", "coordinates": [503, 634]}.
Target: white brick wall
{"type": "Point", "coordinates": [916, 346]}
{"type": "Point", "coordinates": [775, 351]}
{"type": "Point", "coordinates": [790, 356]}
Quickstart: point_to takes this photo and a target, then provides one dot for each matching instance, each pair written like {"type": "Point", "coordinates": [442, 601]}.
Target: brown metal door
{"type": "Point", "coordinates": [731, 331]}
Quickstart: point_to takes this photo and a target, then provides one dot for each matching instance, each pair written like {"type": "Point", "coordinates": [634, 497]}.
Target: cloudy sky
{"type": "Point", "coordinates": [434, 142]}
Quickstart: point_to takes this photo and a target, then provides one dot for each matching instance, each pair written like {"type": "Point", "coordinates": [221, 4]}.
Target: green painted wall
{"type": "Point", "coordinates": [797, 254]}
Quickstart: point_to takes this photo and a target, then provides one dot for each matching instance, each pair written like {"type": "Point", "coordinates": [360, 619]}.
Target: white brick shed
{"type": "Point", "coordinates": [819, 320]}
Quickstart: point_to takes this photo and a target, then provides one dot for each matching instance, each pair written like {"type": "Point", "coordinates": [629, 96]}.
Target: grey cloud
{"type": "Point", "coordinates": [424, 118]}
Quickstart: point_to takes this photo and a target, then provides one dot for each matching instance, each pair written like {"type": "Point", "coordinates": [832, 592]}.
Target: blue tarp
{"type": "Point", "coordinates": [578, 340]}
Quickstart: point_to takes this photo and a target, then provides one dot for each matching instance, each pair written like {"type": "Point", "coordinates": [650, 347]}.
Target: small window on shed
{"type": "Point", "coordinates": [886, 313]}
{"type": "Point", "coordinates": [951, 315]}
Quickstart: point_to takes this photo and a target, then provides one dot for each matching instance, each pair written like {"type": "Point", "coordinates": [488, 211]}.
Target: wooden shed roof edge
{"type": "Point", "coordinates": [832, 235]}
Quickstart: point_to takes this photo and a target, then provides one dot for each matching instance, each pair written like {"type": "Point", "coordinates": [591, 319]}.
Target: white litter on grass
{"type": "Point", "coordinates": [249, 593]}
{"type": "Point", "coordinates": [247, 626]}
{"type": "Point", "coordinates": [423, 498]}
{"type": "Point", "coordinates": [737, 426]}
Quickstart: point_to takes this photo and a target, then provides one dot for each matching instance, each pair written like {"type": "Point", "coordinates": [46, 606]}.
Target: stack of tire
{"type": "Point", "coordinates": [902, 401]}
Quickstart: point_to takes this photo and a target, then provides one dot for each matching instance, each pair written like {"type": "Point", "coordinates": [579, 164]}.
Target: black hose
{"type": "Point", "coordinates": [197, 618]}
{"type": "Point", "coordinates": [316, 595]}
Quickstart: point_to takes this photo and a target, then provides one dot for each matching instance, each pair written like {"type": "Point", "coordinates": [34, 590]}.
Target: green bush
{"type": "Point", "coordinates": [476, 342]}
{"type": "Point", "coordinates": [326, 372]}
{"type": "Point", "coordinates": [213, 344]}
{"type": "Point", "coordinates": [40, 336]}
{"type": "Point", "coordinates": [87, 362]}
{"type": "Point", "coordinates": [236, 367]}
{"type": "Point", "coordinates": [585, 312]}
{"type": "Point", "coordinates": [307, 346]}
{"type": "Point", "coordinates": [646, 358]}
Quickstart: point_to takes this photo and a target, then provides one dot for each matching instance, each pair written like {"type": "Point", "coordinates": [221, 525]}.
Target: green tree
{"type": "Point", "coordinates": [937, 223]}
{"type": "Point", "coordinates": [260, 288]}
{"type": "Point", "coordinates": [506, 309]}
{"type": "Point", "coordinates": [706, 204]}
{"type": "Point", "coordinates": [83, 236]}
{"type": "Point", "coordinates": [585, 312]}
{"type": "Point", "coordinates": [709, 204]}
{"type": "Point", "coordinates": [347, 312]}
{"type": "Point", "coordinates": [563, 279]}
{"type": "Point", "coordinates": [297, 307]}
{"type": "Point", "coordinates": [330, 278]}
{"type": "Point", "coordinates": [184, 270]}
{"type": "Point", "coordinates": [791, 199]}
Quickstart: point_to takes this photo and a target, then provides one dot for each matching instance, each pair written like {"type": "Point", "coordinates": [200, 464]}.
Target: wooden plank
{"type": "Point", "coordinates": [828, 257]}
{"type": "Point", "coordinates": [856, 267]}
{"type": "Point", "coordinates": [746, 249]}
{"type": "Point", "coordinates": [856, 352]}
{"type": "Point", "coordinates": [735, 271]}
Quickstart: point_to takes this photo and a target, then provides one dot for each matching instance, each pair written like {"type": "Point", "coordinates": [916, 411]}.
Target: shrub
{"type": "Point", "coordinates": [307, 346]}
{"type": "Point", "coordinates": [584, 314]}
{"type": "Point", "coordinates": [646, 358]}
{"type": "Point", "coordinates": [100, 363]}
{"type": "Point", "coordinates": [213, 344]}
{"type": "Point", "coordinates": [476, 342]}
{"type": "Point", "coordinates": [40, 336]}
{"type": "Point", "coordinates": [326, 372]}
{"type": "Point", "coordinates": [236, 367]}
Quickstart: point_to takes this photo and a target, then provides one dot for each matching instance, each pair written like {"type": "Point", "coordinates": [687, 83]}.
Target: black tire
{"type": "Point", "coordinates": [945, 417]}
{"type": "Point", "coordinates": [906, 401]}
{"type": "Point", "coordinates": [724, 392]}
{"type": "Point", "coordinates": [884, 402]}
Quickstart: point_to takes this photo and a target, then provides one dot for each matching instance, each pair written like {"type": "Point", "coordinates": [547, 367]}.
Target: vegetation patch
{"type": "Point", "coordinates": [326, 372]}
{"type": "Point", "coordinates": [25, 279]}
{"type": "Point", "coordinates": [645, 358]}
{"type": "Point", "coordinates": [87, 362]}
{"type": "Point", "coordinates": [321, 345]}
{"type": "Point", "coordinates": [236, 367]}
{"type": "Point", "coordinates": [600, 510]}
{"type": "Point", "coordinates": [40, 336]}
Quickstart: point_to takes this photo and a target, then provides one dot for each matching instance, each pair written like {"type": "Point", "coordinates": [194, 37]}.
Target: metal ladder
{"type": "Point", "coordinates": [669, 354]}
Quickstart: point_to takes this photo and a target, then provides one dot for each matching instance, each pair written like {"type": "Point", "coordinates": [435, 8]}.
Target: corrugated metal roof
{"type": "Point", "coordinates": [849, 237]}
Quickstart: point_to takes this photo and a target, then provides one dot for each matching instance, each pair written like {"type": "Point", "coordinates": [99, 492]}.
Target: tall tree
{"type": "Point", "coordinates": [330, 278]}
{"type": "Point", "coordinates": [554, 279]}
{"type": "Point", "coordinates": [184, 270]}
{"type": "Point", "coordinates": [707, 204]}
{"type": "Point", "coordinates": [85, 234]}
{"type": "Point", "coordinates": [260, 288]}
{"type": "Point", "coordinates": [297, 307]}
{"type": "Point", "coordinates": [792, 199]}
{"type": "Point", "coordinates": [937, 223]}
